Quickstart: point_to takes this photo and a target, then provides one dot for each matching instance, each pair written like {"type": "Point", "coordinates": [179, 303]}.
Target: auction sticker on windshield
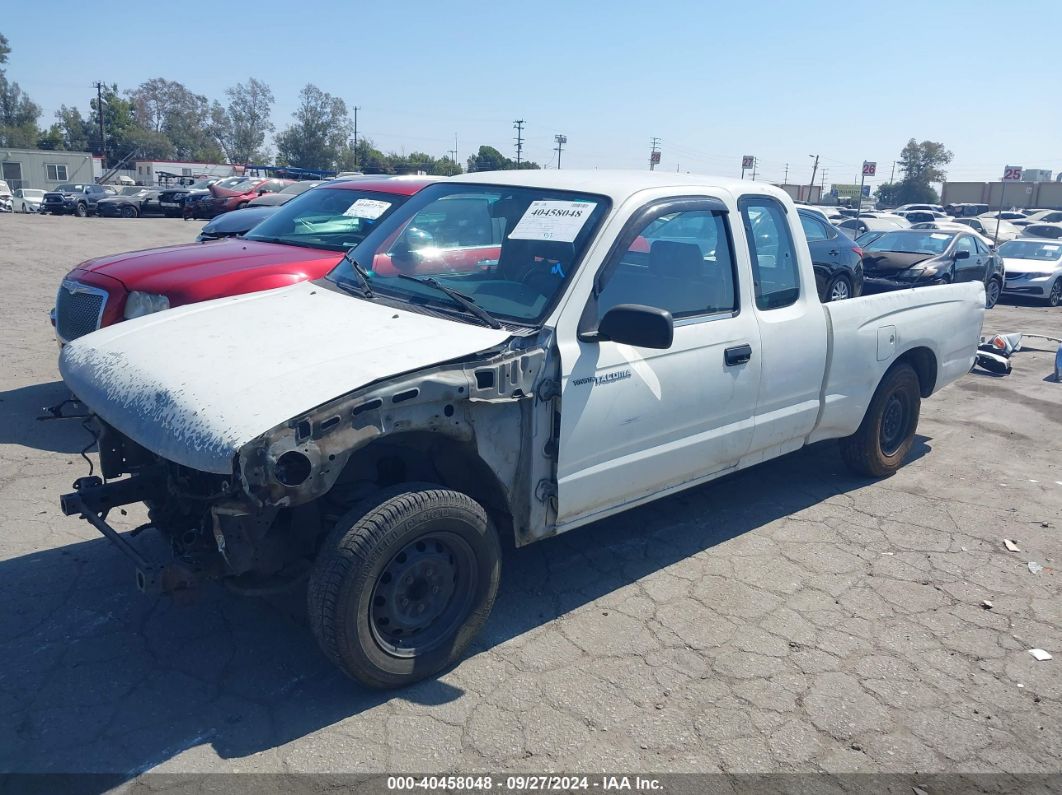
{"type": "Point", "coordinates": [367, 208]}
{"type": "Point", "coordinates": [553, 220]}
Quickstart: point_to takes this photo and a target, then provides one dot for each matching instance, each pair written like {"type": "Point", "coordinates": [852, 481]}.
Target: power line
{"type": "Point", "coordinates": [518, 125]}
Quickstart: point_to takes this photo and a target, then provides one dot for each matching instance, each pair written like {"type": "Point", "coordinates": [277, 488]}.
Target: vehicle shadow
{"type": "Point", "coordinates": [19, 423]}
{"type": "Point", "coordinates": [100, 679]}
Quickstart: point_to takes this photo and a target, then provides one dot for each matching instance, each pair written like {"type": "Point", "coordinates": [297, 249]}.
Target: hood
{"type": "Point", "coordinates": [1018, 265]}
{"type": "Point", "coordinates": [197, 383]}
{"type": "Point", "coordinates": [892, 261]}
{"type": "Point", "coordinates": [272, 199]}
{"type": "Point", "coordinates": [238, 221]}
{"type": "Point", "coordinates": [169, 269]}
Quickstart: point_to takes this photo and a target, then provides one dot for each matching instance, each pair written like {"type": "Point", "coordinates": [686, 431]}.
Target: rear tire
{"type": "Point", "coordinates": [993, 290]}
{"type": "Point", "coordinates": [403, 583]}
{"type": "Point", "coordinates": [887, 432]}
{"type": "Point", "coordinates": [840, 289]}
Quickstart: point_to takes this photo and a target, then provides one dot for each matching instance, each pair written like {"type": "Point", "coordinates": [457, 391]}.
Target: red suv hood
{"type": "Point", "coordinates": [199, 271]}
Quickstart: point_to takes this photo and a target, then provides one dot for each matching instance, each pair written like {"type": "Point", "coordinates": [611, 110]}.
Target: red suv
{"type": "Point", "coordinates": [221, 198]}
{"type": "Point", "coordinates": [303, 240]}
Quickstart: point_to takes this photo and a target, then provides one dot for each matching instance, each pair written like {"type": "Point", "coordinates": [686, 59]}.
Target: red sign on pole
{"type": "Point", "coordinates": [870, 168]}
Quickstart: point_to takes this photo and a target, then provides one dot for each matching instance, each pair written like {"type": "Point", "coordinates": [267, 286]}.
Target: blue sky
{"type": "Point", "coordinates": [713, 80]}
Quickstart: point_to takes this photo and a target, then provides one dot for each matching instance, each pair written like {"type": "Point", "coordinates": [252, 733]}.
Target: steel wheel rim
{"type": "Point", "coordinates": [893, 424]}
{"type": "Point", "coordinates": [839, 292]}
{"type": "Point", "coordinates": [1056, 293]}
{"type": "Point", "coordinates": [423, 595]}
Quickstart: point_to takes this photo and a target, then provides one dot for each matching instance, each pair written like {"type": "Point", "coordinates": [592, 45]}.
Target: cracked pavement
{"type": "Point", "coordinates": [789, 618]}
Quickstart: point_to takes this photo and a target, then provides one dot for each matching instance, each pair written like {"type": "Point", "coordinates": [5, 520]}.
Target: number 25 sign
{"type": "Point", "coordinates": [1012, 174]}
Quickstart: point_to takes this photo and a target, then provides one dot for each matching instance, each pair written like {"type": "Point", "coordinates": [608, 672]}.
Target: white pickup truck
{"type": "Point", "coordinates": [507, 356]}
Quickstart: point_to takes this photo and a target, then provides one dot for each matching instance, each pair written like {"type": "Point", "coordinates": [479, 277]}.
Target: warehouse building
{"type": "Point", "coordinates": [43, 168]}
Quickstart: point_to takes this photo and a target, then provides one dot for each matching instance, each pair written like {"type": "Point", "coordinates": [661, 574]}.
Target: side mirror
{"type": "Point", "coordinates": [635, 324]}
{"type": "Point", "coordinates": [962, 255]}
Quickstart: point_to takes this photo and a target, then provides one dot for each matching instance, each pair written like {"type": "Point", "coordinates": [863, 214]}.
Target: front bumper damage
{"type": "Point", "coordinates": [92, 500]}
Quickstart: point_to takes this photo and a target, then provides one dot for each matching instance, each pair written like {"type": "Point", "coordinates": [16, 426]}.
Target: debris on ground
{"type": "Point", "coordinates": [1035, 567]}
{"type": "Point", "coordinates": [987, 605]}
{"type": "Point", "coordinates": [1040, 654]}
{"type": "Point", "coordinates": [1012, 546]}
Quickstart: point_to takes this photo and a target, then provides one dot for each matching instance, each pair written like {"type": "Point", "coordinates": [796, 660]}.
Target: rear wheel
{"type": "Point", "coordinates": [840, 289]}
{"type": "Point", "coordinates": [1054, 298]}
{"type": "Point", "coordinates": [403, 584]}
{"type": "Point", "coordinates": [886, 434]}
{"type": "Point", "coordinates": [992, 292]}
{"type": "Point", "coordinates": [81, 210]}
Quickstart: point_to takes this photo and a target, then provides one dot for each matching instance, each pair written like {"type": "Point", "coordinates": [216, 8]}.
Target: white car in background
{"type": "Point", "coordinates": [27, 200]}
{"type": "Point", "coordinates": [5, 197]}
{"type": "Point", "coordinates": [1033, 269]}
{"type": "Point", "coordinates": [988, 227]}
{"type": "Point", "coordinates": [1044, 217]}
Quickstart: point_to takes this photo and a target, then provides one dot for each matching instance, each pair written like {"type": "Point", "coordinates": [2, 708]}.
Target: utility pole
{"type": "Point", "coordinates": [814, 169]}
{"type": "Point", "coordinates": [453, 158]}
{"type": "Point", "coordinates": [518, 125]}
{"type": "Point", "coordinates": [822, 185]}
{"type": "Point", "coordinates": [356, 109]}
{"type": "Point", "coordinates": [103, 134]}
{"type": "Point", "coordinates": [892, 176]}
{"type": "Point", "coordinates": [755, 162]}
{"type": "Point", "coordinates": [785, 179]}
{"type": "Point", "coordinates": [654, 154]}
{"type": "Point", "coordinates": [561, 141]}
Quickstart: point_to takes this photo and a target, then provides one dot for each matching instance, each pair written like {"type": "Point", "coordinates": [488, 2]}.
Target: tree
{"type": "Point", "coordinates": [490, 159]}
{"type": "Point", "coordinates": [18, 113]}
{"type": "Point", "coordinates": [71, 131]}
{"type": "Point", "coordinates": [319, 132]}
{"type": "Point", "coordinates": [168, 109]}
{"type": "Point", "coordinates": [241, 127]}
{"type": "Point", "coordinates": [921, 165]}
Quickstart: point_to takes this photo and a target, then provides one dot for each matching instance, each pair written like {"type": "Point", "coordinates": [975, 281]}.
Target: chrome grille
{"type": "Point", "coordinates": [78, 310]}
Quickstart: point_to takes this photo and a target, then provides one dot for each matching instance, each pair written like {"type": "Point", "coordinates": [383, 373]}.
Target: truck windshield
{"type": "Point", "coordinates": [334, 219]}
{"type": "Point", "coordinates": [510, 249]}
{"type": "Point", "coordinates": [911, 242]}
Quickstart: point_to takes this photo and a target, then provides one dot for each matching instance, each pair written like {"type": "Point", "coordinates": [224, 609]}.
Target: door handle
{"type": "Point", "coordinates": [739, 354]}
{"type": "Point", "coordinates": [833, 252]}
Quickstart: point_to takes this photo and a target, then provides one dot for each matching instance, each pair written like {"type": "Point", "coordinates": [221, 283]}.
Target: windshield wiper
{"type": "Point", "coordinates": [362, 273]}
{"type": "Point", "coordinates": [458, 298]}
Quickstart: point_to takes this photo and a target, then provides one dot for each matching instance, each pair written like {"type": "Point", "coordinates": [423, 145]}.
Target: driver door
{"type": "Point", "coordinates": [637, 422]}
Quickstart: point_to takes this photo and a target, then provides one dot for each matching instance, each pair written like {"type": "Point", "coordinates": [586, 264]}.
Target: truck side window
{"type": "Point", "coordinates": [774, 263]}
{"type": "Point", "coordinates": [680, 262]}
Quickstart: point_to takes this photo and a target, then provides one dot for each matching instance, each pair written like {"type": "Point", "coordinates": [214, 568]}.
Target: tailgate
{"type": "Point", "coordinates": [869, 333]}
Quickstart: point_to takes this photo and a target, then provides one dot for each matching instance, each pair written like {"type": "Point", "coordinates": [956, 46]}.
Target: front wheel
{"type": "Point", "coordinates": [993, 290]}
{"type": "Point", "coordinates": [81, 211]}
{"type": "Point", "coordinates": [1054, 298]}
{"type": "Point", "coordinates": [403, 583]}
{"type": "Point", "coordinates": [887, 432]}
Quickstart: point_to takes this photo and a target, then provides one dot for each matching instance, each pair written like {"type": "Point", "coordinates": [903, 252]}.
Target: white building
{"type": "Point", "coordinates": [1036, 175]}
{"type": "Point", "coordinates": [43, 168]}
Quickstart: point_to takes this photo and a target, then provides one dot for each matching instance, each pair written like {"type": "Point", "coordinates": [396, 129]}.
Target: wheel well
{"type": "Point", "coordinates": [924, 363]}
{"type": "Point", "coordinates": [423, 456]}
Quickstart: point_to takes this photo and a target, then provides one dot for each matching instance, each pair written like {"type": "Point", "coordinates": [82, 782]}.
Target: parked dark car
{"type": "Point", "coordinates": [234, 224]}
{"type": "Point", "coordinates": [965, 209]}
{"type": "Point", "coordinates": [144, 201]}
{"type": "Point", "coordinates": [919, 257]}
{"type": "Point", "coordinates": [1048, 231]}
{"type": "Point", "coordinates": [75, 199]}
{"type": "Point", "coordinates": [838, 261]}
{"type": "Point", "coordinates": [172, 199]}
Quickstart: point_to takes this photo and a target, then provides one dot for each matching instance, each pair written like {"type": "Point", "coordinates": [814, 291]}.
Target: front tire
{"type": "Point", "coordinates": [128, 211]}
{"type": "Point", "coordinates": [887, 432]}
{"type": "Point", "coordinates": [403, 583]}
{"type": "Point", "coordinates": [1054, 298]}
{"type": "Point", "coordinates": [81, 211]}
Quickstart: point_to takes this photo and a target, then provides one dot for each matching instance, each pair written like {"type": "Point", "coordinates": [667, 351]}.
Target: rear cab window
{"type": "Point", "coordinates": [775, 274]}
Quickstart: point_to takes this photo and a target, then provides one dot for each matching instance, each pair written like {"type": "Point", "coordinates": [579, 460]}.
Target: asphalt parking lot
{"type": "Point", "coordinates": [789, 618]}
